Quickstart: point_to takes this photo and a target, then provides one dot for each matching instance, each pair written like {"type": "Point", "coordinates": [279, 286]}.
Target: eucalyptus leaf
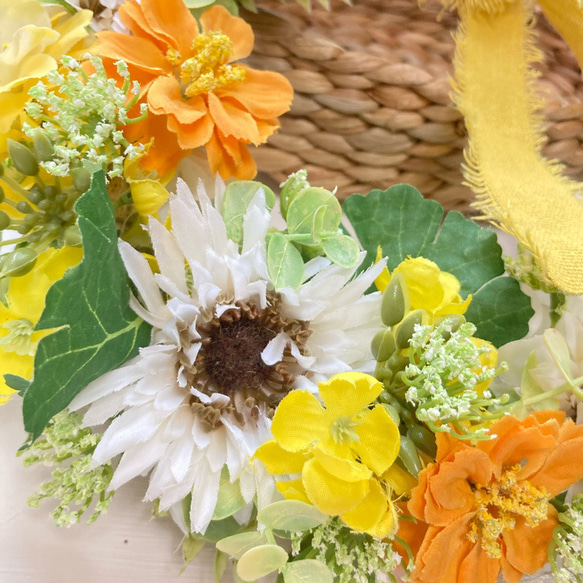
{"type": "Point", "coordinates": [291, 515]}
{"type": "Point", "coordinates": [404, 224]}
{"type": "Point", "coordinates": [97, 329]}
{"type": "Point", "coordinates": [304, 207]}
{"type": "Point", "coordinates": [500, 311]}
{"type": "Point", "coordinates": [237, 198]}
{"type": "Point", "coordinates": [307, 571]}
{"type": "Point", "coordinates": [238, 544]}
{"type": "Point", "coordinates": [198, 3]}
{"type": "Point", "coordinates": [230, 499]}
{"type": "Point", "coordinates": [284, 262]}
{"type": "Point", "coordinates": [342, 250]}
{"type": "Point", "coordinates": [219, 529]}
{"type": "Point", "coordinates": [260, 561]}
{"type": "Point", "coordinates": [221, 561]}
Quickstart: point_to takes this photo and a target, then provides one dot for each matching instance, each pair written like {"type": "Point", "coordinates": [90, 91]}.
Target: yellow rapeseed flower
{"type": "Point", "coordinates": [25, 303]}
{"type": "Point", "coordinates": [341, 451]}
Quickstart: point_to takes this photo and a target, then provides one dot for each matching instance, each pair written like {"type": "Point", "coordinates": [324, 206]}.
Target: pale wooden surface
{"type": "Point", "coordinates": [124, 546]}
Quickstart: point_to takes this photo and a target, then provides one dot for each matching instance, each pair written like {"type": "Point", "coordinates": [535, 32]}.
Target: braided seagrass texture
{"type": "Point", "coordinates": [372, 104]}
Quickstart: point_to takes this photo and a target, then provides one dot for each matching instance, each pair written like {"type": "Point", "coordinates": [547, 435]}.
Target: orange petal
{"type": "Point", "coordinates": [165, 97]}
{"type": "Point", "coordinates": [218, 18]}
{"type": "Point", "coordinates": [478, 567]}
{"type": "Point", "coordinates": [232, 120]}
{"type": "Point", "coordinates": [136, 51]}
{"type": "Point", "coordinates": [267, 128]}
{"type": "Point", "coordinates": [263, 94]}
{"type": "Point", "coordinates": [527, 547]}
{"type": "Point", "coordinates": [194, 135]}
{"type": "Point", "coordinates": [171, 20]}
{"type": "Point", "coordinates": [230, 158]}
{"type": "Point", "coordinates": [132, 16]}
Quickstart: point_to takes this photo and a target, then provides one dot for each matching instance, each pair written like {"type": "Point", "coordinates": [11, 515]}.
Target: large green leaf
{"type": "Point", "coordinates": [97, 330]}
{"type": "Point", "coordinates": [404, 224]}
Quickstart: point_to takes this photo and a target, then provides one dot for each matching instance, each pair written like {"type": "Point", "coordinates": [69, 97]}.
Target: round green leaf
{"type": "Point", "coordinates": [229, 500]}
{"type": "Point", "coordinates": [303, 212]}
{"type": "Point", "coordinates": [284, 262]}
{"type": "Point", "coordinates": [238, 544]}
{"type": "Point", "coordinates": [291, 515]}
{"type": "Point", "coordinates": [342, 250]}
{"type": "Point", "coordinates": [260, 561]}
{"type": "Point", "coordinates": [307, 571]}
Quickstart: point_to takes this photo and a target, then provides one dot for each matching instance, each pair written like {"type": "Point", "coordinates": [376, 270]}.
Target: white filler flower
{"type": "Point", "coordinates": [226, 348]}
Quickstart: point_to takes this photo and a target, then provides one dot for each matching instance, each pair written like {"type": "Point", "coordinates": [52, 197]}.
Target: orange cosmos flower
{"type": "Point", "coordinates": [485, 508]}
{"type": "Point", "coordinates": [195, 95]}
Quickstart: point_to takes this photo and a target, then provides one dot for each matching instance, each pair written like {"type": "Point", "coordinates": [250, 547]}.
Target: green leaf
{"type": "Point", "coordinates": [403, 223]}
{"type": "Point", "coordinates": [191, 547]}
{"type": "Point", "coordinates": [197, 3]}
{"type": "Point", "coordinates": [500, 311]}
{"type": "Point", "coordinates": [238, 197]}
{"type": "Point", "coordinates": [260, 561]}
{"type": "Point", "coordinates": [342, 250]}
{"type": "Point", "coordinates": [291, 515]}
{"type": "Point", "coordinates": [529, 388]}
{"type": "Point", "coordinates": [229, 500]}
{"type": "Point", "coordinates": [559, 351]}
{"type": "Point", "coordinates": [219, 529]}
{"type": "Point", "coordinates": [302, 211]}
{"type": "Point", "coordinates": [238, 544]}
{"type": "Point", "coordinates": [98, 331]}
{"type": "Point", "coordinates": [17, 383]}
{"type": "Point", "coordinates": [284, 262]}
{"type": "Point", "coordinates": [307, 571]}
{"type": "Point", "coordinates": [221, 561]}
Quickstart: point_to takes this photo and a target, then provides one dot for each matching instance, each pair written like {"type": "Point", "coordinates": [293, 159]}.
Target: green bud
{"type": "Point", "coordinates": [18, 262]}
{"type": "Point", "coordinates": [407, 327]}
{"type": "Point", "coordinates": [2, 196]}
{"type": "Point", "coordinates": [383, 373]}
{"type": "Point", "coordinates": [396, 301]}
{"type": "Point", "coordinates": [423, 439]}
{"type": "Point", "coordinates": [1, 169]}
{"type": "Point", "coordinates": [23, 159]}
{"type": "Point", "coordinates": [34, 195]}
{"type": "Point", "coordinates": [43, 146]}
{"type": "Point", "coordinates": [81, 179]}
{"type": "Point", "coordinates": [45, 204]}
{"type": "Point", "coordinates": [409, 456]}
{"type": "Point", "coordinates": [397, 362]}
{"type": "Point", "coordinates": [66, 216]}
{"type": "Point", "coordinates": [72, 236]}
{"type": "Point", "coordinates": [51, 192]}
{"type": "Point", "coordinates": [383, 345]}
{"type": "Point", "coordinates": [393, 413]}
{"type": "Point", "coordinates": [4, 221]}
{"type": "Point", "coordinates": [23, 207]}
{"type": "Point", "coordinates": [454, 320]}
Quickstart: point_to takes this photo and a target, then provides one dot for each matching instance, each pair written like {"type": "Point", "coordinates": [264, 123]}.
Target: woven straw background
{"type": "Point", "coordinates": [372, 104]}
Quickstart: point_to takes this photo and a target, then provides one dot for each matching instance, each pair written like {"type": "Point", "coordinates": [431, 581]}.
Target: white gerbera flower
{"type": "Point", "coordinates": [226, 348]}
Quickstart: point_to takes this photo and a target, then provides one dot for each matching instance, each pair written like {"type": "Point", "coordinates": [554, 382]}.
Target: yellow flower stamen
{"type": "Point", "coordinates": [343, 431]}
{"type": "Point", "coordinates": [208, 69]}
{"type": "Point", "coordinates": [500, 503]}
{"type": "Point", "coordinates": [18, 339]}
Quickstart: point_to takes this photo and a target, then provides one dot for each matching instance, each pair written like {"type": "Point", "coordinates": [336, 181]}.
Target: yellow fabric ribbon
{"type": "Point", "coordinates": [517, 189]}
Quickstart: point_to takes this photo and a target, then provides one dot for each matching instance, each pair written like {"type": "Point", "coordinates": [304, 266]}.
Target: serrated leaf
{"type": "Point", "coordinates": [98, 331]}
{"type": "Point", "coordinates": [229, 499]}
{"type": "Point", "coordinates": [238, 197]}
{"type": "Point", "coordinates": [500, 311]}
{"type": "Point", "coordinates": [291, 515]}
{"type": "Point", "coordinates": [260, 561]}
{"type": "Point", "coordinates": [284, 263]}
{"type": "Point", "coordinates": [403, 223]}
{"type": "Point", "coordinates": [307, 571]}
{"type": "Point", "coordinates": [238, 544]}
{"type": "Point", "coordinates": [342, 250]}
{"type": "Point", "coordinates": [304, 207]}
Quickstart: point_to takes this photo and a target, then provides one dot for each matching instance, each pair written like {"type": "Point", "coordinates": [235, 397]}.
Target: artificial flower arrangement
{"type": "Point", "coordinates": [327, 393]}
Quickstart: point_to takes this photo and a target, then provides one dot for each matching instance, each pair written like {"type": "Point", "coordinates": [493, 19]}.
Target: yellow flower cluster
{"type": "Point", "coordinates": [344, 452]}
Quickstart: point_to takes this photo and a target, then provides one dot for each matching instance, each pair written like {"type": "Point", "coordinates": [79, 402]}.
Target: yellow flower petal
{"type": "Point", "coordinates": [293, 490]}
{"type": "Point", "coordinates": [379, 441]}
{"type": "Point", "coordinates": [382, 280]}
{"type": "Point", "coordinates": [400, 481]}
{"type": "Point", "coordinates": [344, 469]}
{"type": "Point", "coordinates": [422, 277]}
{"type": "Point", "coordinates": [148, 195]}
{"type": "Point", "coordinates": [348, 393]}
{"type": "Point", "coordinates": [329, 494]}
{"type": "Point", "coordinates": [299, 421]}
{"type": "Point", "coordinates": [369, 512]}
{"type": "Point", "coordinates": [279, 461]}
{"type": "Point", "coordinates": [387, 526]}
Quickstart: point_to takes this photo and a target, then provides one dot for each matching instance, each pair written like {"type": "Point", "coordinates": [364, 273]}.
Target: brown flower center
{"type": "Point", "coordinates": [229, 362]}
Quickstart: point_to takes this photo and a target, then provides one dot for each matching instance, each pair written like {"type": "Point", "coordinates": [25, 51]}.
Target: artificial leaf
{"type": "Point", "coordinates": [284, 262]}
{"type": "Point", "coordinates": [238, 197]}
{"type": "Point", "coordinates": [291, 516]}
{"type": "Point", "coordinates": [559, 351]}
{"type": "Point", "coordinates": [403, 223]}
{"type": "Point", "coordinates": [307, 571]}
{"type": "Point", "coordinates": [304, 208]}
{"type": "Point", "coordinates": [97, 330]}
{"type": "Point", "coordinates": [229, 499]}
{"type": "Point", "coordinates": [342, 250]}
{"type": "Point", "coordinates": [531, 390]}
{"type": "Point", "coordinates": [191, 547]}
{"type": "Point", "coordinates": [238, 544]}
{"type": "Point", "coordinates": [17, 383]}
{"type": "Point", "coordinates": [220, 565]}
{"type": "Point", "coordinates": [500, 311]}
{"type": "Point", "coordinates": [218, 529]}
{"type": "Point", "coordinates": [260, 561]}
